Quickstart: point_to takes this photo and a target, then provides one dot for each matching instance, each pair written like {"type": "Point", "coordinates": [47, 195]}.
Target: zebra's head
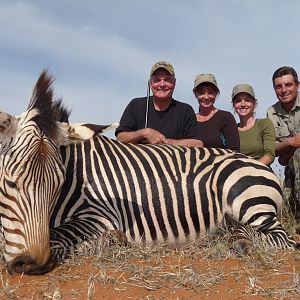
{"type": "Point", "coordinates": [31, 176]}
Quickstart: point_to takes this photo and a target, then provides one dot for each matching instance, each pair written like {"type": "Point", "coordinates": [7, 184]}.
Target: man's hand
{"type": "Point", "coordinates": [152, 136]}
{"type": "Point", "coordinates": [294, 141]}
{"type": "Point", "coordinates": [144, 136]}
{"type": "Point", "coordinates": [184, 142]}
{"type": "Point", "coordinates": [287, 148]}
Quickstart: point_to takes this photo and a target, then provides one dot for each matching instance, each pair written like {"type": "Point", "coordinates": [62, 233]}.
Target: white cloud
{"type": "Point", "coordinates": [101, 51]}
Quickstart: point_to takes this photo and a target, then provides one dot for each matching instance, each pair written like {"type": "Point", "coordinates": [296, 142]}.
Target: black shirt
{"type": "Point", "coordinates": [220, 131]}
{"type": "Point", "coordinates": [177, 122]}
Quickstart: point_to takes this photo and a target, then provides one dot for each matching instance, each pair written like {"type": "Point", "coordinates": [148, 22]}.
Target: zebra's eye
{"type": "Point", "coordinates": [11, 184]}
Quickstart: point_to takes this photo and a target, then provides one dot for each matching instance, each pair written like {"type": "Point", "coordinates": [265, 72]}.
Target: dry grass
{"type": "Point", "coordinates": [198, 266]}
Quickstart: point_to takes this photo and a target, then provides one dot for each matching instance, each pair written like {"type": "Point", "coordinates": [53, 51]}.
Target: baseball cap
{"type": "Point", "coordinates": [203, 78]}
{"type": "Point", "coordinates": [162, 64]}
{"type": "Point", "coordinates": [243, 88]}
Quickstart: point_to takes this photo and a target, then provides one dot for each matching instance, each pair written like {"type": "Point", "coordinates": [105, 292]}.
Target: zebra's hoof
{"type": "Point", "coordinates": [241, 247]}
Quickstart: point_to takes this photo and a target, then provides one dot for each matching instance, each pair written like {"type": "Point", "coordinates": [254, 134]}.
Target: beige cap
{"type": "Point", "coordinates": [203, 78]}
{"type": "Point", "coordinates": [242, 88]}
{"type": "Point", "coordinates": [162, 64]}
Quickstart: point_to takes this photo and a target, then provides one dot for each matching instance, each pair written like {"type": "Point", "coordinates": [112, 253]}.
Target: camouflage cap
{"type": "Point", "coordinates": [203, 78]}
{"type": "Point", "coordinates": [243, 88]}
{"type": "Point", "coordinates": [162, 64]}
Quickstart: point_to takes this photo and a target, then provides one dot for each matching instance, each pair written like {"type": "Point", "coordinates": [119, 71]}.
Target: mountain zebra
{"type": "Point", "coordinates": [62, 183]}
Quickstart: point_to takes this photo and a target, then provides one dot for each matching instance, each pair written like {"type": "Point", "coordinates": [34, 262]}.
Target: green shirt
{"type": "Point", "coordinates": [286, 123]}
{"type": "Point", "coordinates": [259, 140]}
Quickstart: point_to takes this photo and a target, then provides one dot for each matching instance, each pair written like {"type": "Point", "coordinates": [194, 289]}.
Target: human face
{"type": "Point", "coordinates": [286, 90]}
{"type": "Point", "coordinates": [244, 104]}
{"type": "Point", "coordinates": [206, 96]}
{"type": "Point", "coordinates": [162, 84]}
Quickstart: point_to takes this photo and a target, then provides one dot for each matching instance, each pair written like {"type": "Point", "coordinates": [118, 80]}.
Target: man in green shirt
{"type": "Point", "coordinates": [285, 115]}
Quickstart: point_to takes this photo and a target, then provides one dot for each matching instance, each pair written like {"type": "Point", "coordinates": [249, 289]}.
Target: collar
{"type": "Point", "coordinates": [281, 111]}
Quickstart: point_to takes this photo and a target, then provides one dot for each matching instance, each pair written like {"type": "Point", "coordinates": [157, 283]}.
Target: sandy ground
{"type": "Point", "coordinates": [248, 277]}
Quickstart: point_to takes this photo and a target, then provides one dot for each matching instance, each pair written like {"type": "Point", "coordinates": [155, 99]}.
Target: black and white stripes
{"type": "Point", "coordinates": [164, 193]}
{"type": "Point", "coordinates": [63, 183]}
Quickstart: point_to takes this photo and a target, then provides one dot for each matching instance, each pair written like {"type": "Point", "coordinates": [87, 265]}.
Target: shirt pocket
{"type": "Point", "coordinates": [282, 132]}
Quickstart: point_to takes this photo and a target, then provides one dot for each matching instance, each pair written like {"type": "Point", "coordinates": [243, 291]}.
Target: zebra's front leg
{"type": "Point", "coordinates": [265, 229]}
{"type": "Point", "coordinates": [273, 233]}
{"type": "Point", "coordinates": [65, 237]}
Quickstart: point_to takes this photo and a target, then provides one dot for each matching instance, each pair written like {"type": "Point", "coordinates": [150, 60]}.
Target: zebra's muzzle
{"type": "Point", "coordinates": [26, 264]}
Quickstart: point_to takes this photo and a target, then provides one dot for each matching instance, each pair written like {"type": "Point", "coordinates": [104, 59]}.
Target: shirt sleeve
{"type": "Point", "coordinates": [191, 129]}
{"type": "Point", "coordinates": [231, 133]}
{"type": "Point", "coordinates": [128, 120]}
{"type": "Point", "coordinates": [268, 137]}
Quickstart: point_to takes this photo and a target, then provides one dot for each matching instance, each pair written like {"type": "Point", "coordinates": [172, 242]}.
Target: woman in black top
{"type": "Point", "coordinates": [217, 127]}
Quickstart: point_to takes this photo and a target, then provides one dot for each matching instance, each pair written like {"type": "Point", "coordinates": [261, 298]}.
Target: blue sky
{"type": "Point", "coordinates": [101, 52]}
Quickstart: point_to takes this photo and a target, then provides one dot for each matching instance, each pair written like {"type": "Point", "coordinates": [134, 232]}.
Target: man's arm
{"type": "Point", "coordinates": [126, 133]}
{"type": "Point", "coordinates": [152, 136]}
{"type": "Point", "coordinates": [185, 142]}
{"type": "Point", "coordinates": [286, 149]}
{"type": "Point", "coordinates": [143, 136]}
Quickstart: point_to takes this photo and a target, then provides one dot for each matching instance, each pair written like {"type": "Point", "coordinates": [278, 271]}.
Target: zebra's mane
{"type": "Point", "coordinates": [61, 113]}
{"type": "Point", "coordinates": [49, 110]}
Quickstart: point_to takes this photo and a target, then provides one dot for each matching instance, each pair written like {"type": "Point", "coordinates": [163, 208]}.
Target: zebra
{"type": "Point", "coordinates": [62, 183]}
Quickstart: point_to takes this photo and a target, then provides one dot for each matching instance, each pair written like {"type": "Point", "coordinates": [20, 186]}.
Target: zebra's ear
{"type": "Point", "coordinates": [8, 127]}
{"type": "Point", "coordinates": [75, 132]}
